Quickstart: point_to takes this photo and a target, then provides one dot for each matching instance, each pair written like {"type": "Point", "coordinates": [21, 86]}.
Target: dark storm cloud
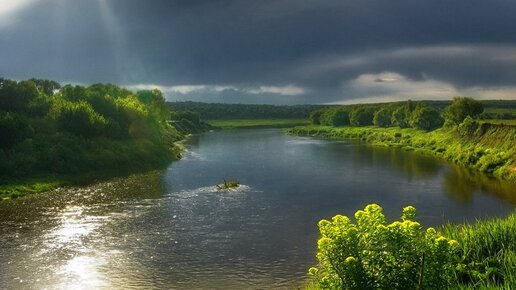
{"type": "Point", "coordinates": [283, 51]}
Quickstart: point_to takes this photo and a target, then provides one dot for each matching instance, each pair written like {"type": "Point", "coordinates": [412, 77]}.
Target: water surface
{"type": "Point", "coordinates": [174, 230]}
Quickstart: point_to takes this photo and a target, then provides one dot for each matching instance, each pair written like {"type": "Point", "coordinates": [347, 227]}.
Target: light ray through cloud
{"type": "Point", "coordinates": [127, 65]}
{"type": "Point", "coordinates": [8, 9]}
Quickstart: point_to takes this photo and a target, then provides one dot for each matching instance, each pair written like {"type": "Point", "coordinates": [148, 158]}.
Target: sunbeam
{"type": "Point", "coordinates": [127, 65]}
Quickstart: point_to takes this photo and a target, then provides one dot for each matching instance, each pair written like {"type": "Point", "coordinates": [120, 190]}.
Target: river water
{"type": "Point", "coordinates": [173, 230]}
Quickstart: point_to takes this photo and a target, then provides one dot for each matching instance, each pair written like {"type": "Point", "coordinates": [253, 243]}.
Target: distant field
{"type": "Point", "coordinates": [511, 122]}
{"type": "Point", "coordinates": [258, 123]}
{"type": "Point", "coordinates": [499, 110]}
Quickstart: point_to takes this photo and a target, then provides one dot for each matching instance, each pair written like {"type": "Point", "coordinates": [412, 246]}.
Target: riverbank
{"type": "Point", "coordinates": [258, 123]}
{"type": "Point", "coordinates": [488, 148]}
{"type": "Point", "coordinates": [110, 159]}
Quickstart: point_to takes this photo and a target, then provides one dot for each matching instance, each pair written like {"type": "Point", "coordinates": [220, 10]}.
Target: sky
{"type": "Point", "coordinates": [268, 51]}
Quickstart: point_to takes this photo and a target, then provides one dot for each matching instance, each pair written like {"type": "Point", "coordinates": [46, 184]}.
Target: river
{"type": "Point", "coordinates": [172, 229]}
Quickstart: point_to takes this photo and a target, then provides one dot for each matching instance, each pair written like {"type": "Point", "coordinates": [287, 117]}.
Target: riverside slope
{"type": "Point", "coordinates": [485, 147]}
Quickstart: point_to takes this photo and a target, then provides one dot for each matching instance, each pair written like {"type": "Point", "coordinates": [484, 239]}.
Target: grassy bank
{"type": "Point", "coordinates": [95, 161]}
{"type": "Point", "coordinates": [488, 148]}
{"type": "Point", "coordinates": [258, 123]}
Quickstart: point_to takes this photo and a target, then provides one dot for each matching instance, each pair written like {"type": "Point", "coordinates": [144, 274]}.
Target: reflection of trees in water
{"type": "Point", "coordinates": [462, 183]}
{"type": "Point", "coordinates": [412, 164]}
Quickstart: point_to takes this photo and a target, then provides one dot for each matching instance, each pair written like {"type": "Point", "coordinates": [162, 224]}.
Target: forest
{"type": "Point", "coordinates": [59, 134]}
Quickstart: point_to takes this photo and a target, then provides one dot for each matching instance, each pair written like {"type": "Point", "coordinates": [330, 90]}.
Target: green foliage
{"type": "Point", "coordinates": [48, 87]}
{"type": "Point", "coordinates": [17, 96]}
{"type": "Point", "coordinates": [14, 128]}
{"type": "Point", "coordinates": [315, 117]}
{"type": "Point", "coordinates": [425, 118]}
{"type": "Point", "coordinates": [371, 254]}
{"type": "Point", "coordinates": [78, 118]}
{"type": "Point", "coordinates": [340, 117]}
{"type": "Point", "coordinates": [335, 117]}
{"type": "Point", "coordinates": [361, 116]}
{"type": "Point", "coordinates": [462, 107]}
{"type": "Point", "coordinates": [47, 129]}
{"type": "Point", "coordinates": [382, 118]}
{"type": "Point", "coordinates": [487, 252]}
{"type": "Point", "coordinates": [399, 117]}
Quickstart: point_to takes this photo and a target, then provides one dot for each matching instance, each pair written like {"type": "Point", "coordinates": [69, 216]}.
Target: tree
{"type": "Point", "coordinates": [361, 116]}
{"type": "Point", "coordinates": [382, 118]}
{"type": "Point", "coordinates": [14, 127]}
{"type": "Point", "coordinates": [340, 117]}
{"type": "Point", "coordinates": [73, 93]}
{"type": "Point", "coordinates": [17, 96]}
{"type": "Point", "coordinates": [425, 118]}
{"type": "Point", "coordinates": [315, 117]}
{"type": "Point", "coordinates": [78, 118]}
{"type": "Point", "coordinates": [462, 107]}
{"type": "Point", "coordinates": [48, 87]}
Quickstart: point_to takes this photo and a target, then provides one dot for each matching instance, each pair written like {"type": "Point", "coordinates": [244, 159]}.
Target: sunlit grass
{"type": "Point", "coordinates": [249, 123]}
{"type": "Point", "coordinates": [488, 251]}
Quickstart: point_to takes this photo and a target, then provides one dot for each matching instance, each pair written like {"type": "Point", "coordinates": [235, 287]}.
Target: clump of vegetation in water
{"type": "Point", "coordinates": [228, 184]}
{"type": "Point", "coordinates": [371, 254]}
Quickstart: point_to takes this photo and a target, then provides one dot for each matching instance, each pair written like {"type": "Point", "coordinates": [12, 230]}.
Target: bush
{"type": "Point", "coordinates": [374, 255]}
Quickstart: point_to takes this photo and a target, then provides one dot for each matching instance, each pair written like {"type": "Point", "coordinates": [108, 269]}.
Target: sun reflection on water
{"type": "Point", "coordinates": [79, 266]}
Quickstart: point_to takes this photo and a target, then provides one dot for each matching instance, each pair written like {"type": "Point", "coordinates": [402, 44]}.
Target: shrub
{"type": "Point", "coordinates": [371, 254]}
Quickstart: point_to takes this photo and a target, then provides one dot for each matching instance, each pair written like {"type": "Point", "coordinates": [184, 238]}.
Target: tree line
{"type": "Point", "coordinates": [409, 114]}
{"type": "Point", "coordinates": [219, 111]}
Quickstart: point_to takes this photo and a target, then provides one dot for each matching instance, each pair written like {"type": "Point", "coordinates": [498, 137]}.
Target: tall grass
{"type": "Point", "coordinates": [488, 253]}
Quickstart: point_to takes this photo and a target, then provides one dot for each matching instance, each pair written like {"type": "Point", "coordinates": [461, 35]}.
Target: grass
{"type": "Point", "coordinates": [258, 123]}
{"type": "Point", "coordinates": [487, 148]}
{"type": "Point", "coordinates": [488, 253]}
{"type": "Point", "coordinates": [13, 189]}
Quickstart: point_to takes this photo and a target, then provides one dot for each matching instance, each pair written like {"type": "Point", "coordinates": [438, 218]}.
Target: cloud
{"type": "Point", "coordinates": [390, 86]}
{"type": "Point", "coordinates": [182, 89]}
{"type": "Point", "coordinates": [261, 51]}
{"type": "Point", "coordinates": [289, 90]}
